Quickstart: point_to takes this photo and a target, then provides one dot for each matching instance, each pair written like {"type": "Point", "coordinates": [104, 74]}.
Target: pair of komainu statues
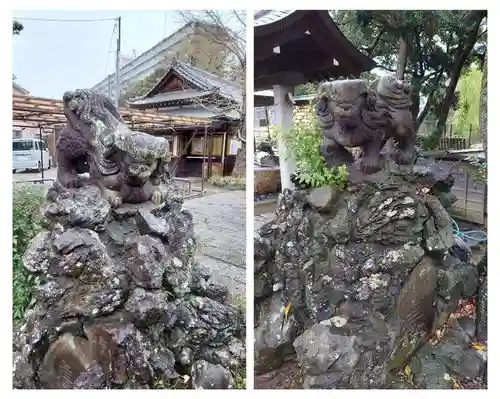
{"type": "Point", "coordinates": [354, 113]}
{"type": "Point", "coordinates": [127, 166]}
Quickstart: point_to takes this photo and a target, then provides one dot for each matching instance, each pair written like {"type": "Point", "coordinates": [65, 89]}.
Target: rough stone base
{"type": "Point", "coordinates": [122, 302]}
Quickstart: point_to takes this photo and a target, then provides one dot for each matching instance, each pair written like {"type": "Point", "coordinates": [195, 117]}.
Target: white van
{"type": "Point", "coordinates": [27, 154]}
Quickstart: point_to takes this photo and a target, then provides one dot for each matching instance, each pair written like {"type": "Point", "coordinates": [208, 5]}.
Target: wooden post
{"type": "Point", "coordinates": [284, 120]}
{"type": "Point", "coordinates": [204, 155]}
{"type": "Point", "coordinates": [224, 152]}
{"type": "Point", "coordinates": [40, 147]}
{"type": "Point", "coordinates": [268, 125]}
{"type": "Point", "coordinates": [210, 146]}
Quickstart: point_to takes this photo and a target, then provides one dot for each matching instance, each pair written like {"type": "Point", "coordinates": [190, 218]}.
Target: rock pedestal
{"type": "Point", "coordinates": [121, 301]}
{"type": "Point", "coordinates": [366, 276]}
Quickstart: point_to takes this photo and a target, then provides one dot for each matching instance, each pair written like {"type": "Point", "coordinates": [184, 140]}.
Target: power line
{"type": "Point", "coordinates": [64, 20]}
{"type": "Point", "coordinates": [109, 50]}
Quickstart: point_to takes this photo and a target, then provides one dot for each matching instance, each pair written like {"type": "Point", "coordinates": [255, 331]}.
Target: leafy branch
{"type": "Point", "coordinates": [304, 141]}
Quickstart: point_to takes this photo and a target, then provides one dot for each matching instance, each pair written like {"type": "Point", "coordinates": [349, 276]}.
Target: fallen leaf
{"type": "Point", "coordinates": [479, 347]}
{"type": "Point", "coordinates": [407, 371]}
{"type": "Point", "coordinates": [288, 308]}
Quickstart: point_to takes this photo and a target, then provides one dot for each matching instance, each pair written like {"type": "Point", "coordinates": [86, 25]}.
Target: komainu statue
{"type": "Point", "coordinates": [126, 165]}
{"type": "Point", "coordinates": [120, 300]}
{"type": "Point", "coordinates": [355, 114]}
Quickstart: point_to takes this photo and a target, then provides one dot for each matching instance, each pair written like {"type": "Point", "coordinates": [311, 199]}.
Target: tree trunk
{"type": "Point", "coordinates": [423, 114]}
{"type": "Point", "coordinates": [240, 163]}
{"type": "Point", "coordinates": [415, 103]}
{"type": "Point", "coordinates": [428, 103]}
{"type": "Point", "coordinates": [483, 107]}
{"type": "Point", "coordinates": [455, 75]}
{"type": "Point", "coordinates": [402, 57]}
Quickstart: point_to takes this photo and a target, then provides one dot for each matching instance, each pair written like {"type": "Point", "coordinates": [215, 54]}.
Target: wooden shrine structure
{"type": "Point", "coordinates": [294, 47]}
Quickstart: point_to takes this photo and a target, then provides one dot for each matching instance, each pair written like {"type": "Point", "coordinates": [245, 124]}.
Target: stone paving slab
{"type": "Point", "coordinates": [220, 228]}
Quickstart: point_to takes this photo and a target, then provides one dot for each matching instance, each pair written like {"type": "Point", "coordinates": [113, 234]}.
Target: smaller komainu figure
{"type": "Point", "coordinates": [355, 114]}
{"type": "Point", "coordinates": [126, 165]}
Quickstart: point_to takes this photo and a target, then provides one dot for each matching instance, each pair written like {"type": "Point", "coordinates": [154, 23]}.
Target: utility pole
{"type": "Point", "coordinates": [117, 77]}
{"type": "Point", "coordinates": [109, 86]}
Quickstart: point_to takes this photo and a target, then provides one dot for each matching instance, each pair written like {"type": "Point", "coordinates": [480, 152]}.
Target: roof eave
{"type": "Point", "coordinates": [362, 61]}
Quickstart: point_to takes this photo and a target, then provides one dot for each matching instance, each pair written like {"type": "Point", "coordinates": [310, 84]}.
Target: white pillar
{"type": "Point", "coordinates": [283, 118]}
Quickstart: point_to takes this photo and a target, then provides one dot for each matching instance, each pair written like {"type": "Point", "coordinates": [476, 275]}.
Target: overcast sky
{"type": "Point", "coordinates": [50, 58]}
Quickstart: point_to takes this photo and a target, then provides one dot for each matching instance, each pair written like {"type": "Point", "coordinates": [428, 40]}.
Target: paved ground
{"type": "Point", "coordinates": [51, 174]}
{"type": "Point", "coordinates": [219, 218]}
{"type": "Point", "coordinates": [263, 213]}
{"type": "Point", "coordinates": [220, 228]}
{"type": "Point", "coordinates": [23, 175]}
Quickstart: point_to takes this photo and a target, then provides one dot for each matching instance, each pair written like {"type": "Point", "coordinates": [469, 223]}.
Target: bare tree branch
{"type": "Point", "coordinates": [372, 48]}
{"type": "Point", "coordinates": [228, 30]}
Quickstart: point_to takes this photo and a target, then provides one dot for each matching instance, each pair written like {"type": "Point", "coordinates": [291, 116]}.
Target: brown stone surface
{"type": "Point", "coordinates": [65, 360]}
{"type": "Point", "coordinates": [267, 181]}
{"type": "Point", "coordinates": [288, 376]}
{"type": "Point", "coordinates": [103, 345]}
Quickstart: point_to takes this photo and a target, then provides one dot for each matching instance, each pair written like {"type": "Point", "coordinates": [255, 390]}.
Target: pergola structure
{"type": "Point", "coordinates": [49, 113]}
{"type": "Point", "coordinates": [294, 47]}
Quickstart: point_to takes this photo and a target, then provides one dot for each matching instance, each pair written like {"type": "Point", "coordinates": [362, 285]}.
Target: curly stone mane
{"type": "Point", "coordinates": [354, 108]}
{"type": "Point", "coordinates": [126, 165]}
{"type": "Point", "coordinates": [91, 106]}
{"type": "Point", "coordinates": [393, 91]}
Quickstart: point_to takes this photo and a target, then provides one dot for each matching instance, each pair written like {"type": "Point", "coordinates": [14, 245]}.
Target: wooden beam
{"type": "Point", "coordinates": [290, 72]}
{"type": "Point", "coordinates": [263, 46]}
{"type": "Point", "coordinates": [44, 110]}
{"type": "Point", "coordinates": [285, 78]}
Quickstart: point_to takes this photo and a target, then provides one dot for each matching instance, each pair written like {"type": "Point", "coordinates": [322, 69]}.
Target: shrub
{"type": "Point", "coordinates": [304, 141]}
{"type": "Point", "coordinates": [480, 171]}
{"type": "Point", "coordinates": [26, 223]}
{"type": "Point", "coordinates": [429, 142]}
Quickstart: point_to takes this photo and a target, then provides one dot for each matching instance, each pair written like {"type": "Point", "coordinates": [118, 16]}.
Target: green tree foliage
{"type": "Point", "coordinates": [17, 27]}
{"type": "Point", "coordinates": [434, 46]}
{"type": "Point", "coordinates": [469, 88]}
{"type": "Point", "coordinates": [483, 107]}
{"type": "Point", "coordinates": [306, 89]}
{"type": "Point", "coordinates": [26, 223]}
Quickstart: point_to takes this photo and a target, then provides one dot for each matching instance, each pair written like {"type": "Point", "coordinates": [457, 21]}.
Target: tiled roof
{"type": "Point", "coordinates": [20, 88]}
{"type": "Point", "coordinates": [170, 96]}
{"type": "Point", "coordinates": [209, 82]}
{"type": "Point", "coordinates": [203, 80]}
